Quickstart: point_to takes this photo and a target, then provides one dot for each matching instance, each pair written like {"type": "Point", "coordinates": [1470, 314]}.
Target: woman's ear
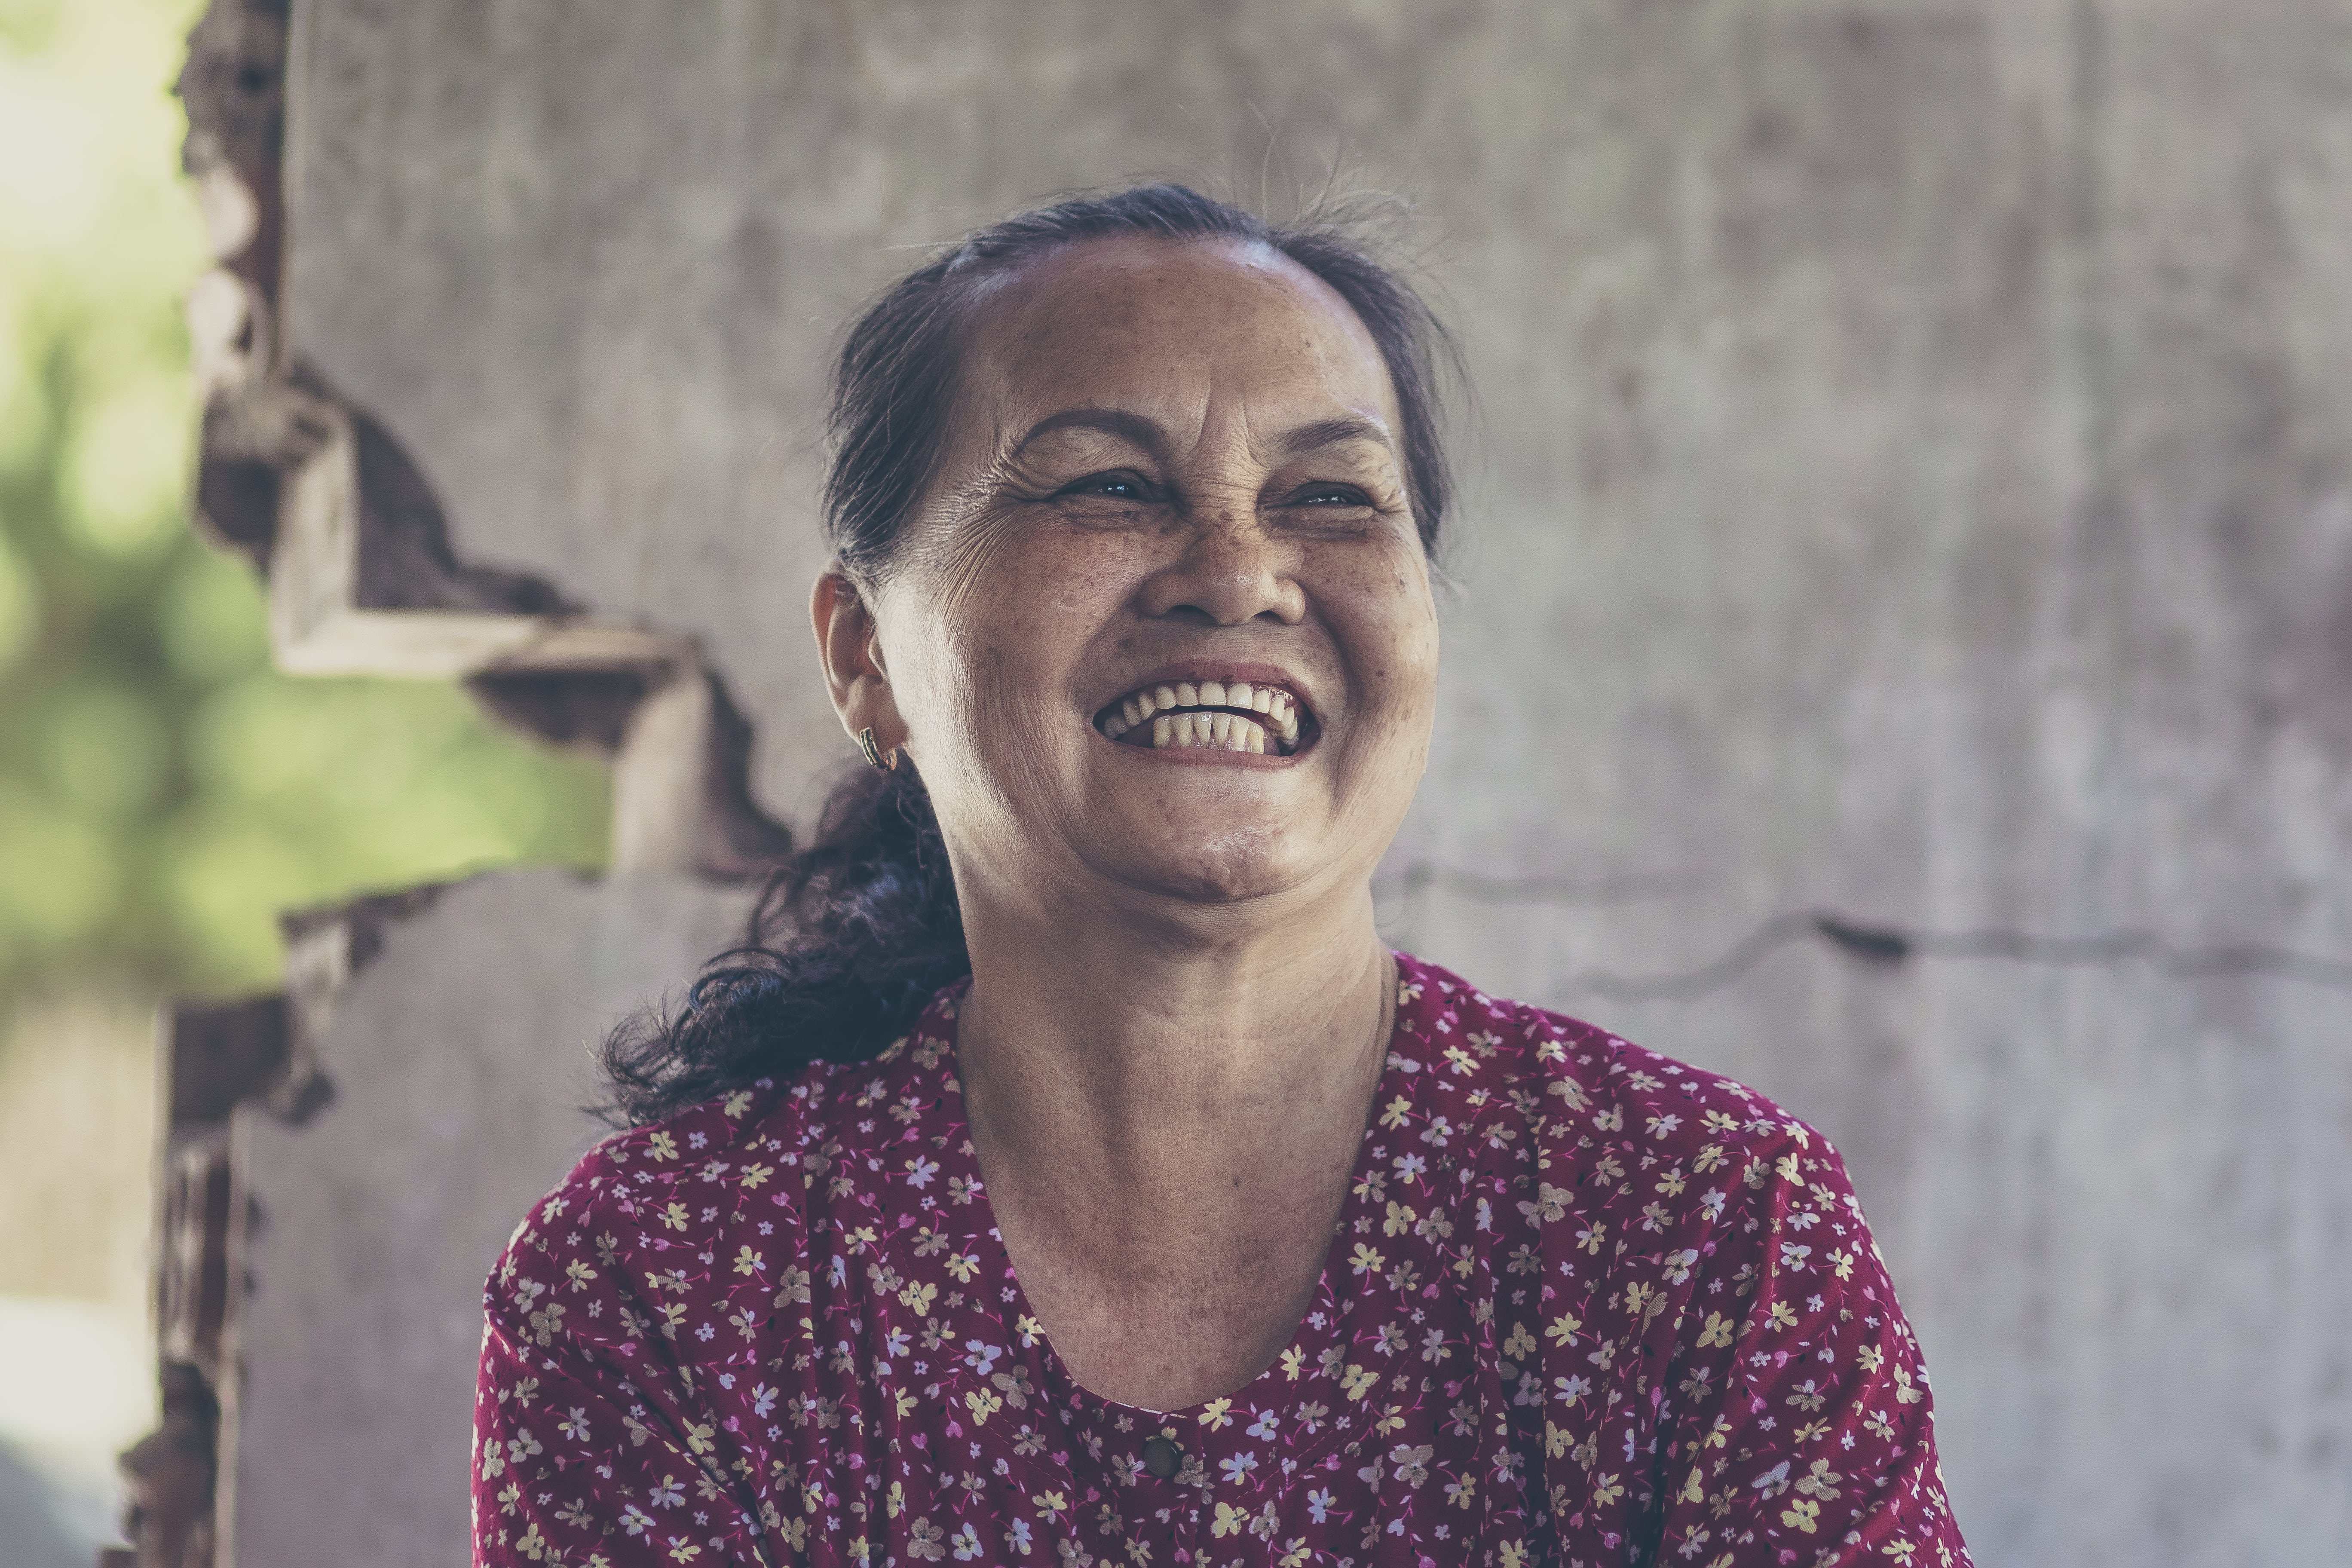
{"type": "Point", "coordinates": [847, 646]}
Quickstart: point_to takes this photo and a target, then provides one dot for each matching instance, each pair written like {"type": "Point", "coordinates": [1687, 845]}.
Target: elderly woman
{"type": "Point", "coordinates": [1069, 1174]}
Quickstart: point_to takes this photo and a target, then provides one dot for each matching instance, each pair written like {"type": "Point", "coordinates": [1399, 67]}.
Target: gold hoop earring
{"type": "Point", "coordinates": [873, 752]}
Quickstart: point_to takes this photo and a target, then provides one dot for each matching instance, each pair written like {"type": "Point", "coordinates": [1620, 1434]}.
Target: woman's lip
{"type": "Point", "coordinates": [1240, 717]}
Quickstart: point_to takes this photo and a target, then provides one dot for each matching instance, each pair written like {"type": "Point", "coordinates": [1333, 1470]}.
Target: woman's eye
{"type": "Point", "coordinates": [1330, 495]}
{"type": "Point", "coordinates": [1110, 486]}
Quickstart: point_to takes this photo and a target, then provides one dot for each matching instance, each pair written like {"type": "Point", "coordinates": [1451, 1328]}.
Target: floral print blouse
{"type": "Point", "coordinates": [1584, 1306]}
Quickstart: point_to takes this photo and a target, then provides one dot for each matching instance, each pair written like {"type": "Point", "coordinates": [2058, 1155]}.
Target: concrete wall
{"type": "Point", "coordinates": [450, 1045]}
{"type": "Point", "coordinates": [1915, 482]}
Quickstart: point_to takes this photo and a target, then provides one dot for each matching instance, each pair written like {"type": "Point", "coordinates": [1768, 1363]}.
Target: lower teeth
{"type": "Point", "coordinates": [1210, 732]}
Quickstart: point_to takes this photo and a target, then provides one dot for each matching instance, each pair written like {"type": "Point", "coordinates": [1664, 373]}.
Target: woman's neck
{"type": "Point", "coordinates": [1137, 1057]}
{"type": "Point", "coordinates": [1166, 1132]}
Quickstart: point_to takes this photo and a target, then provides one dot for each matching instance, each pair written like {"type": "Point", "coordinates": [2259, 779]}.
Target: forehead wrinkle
{"type": "Point", "coordinates": [1256, 339]}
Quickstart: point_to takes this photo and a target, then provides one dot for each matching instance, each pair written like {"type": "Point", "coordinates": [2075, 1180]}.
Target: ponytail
{"type": "Point", "coordinates": [850, 938]}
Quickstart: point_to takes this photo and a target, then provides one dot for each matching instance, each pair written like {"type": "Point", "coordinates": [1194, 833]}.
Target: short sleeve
{"type": "Point", "coordinates": [587, 1449]}
{"type": "Point", "coordinates": [1796, 1423]}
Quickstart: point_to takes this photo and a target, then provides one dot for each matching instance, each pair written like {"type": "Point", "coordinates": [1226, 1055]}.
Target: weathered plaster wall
{"type": "Point", "coordinates": [454, 1047]}
{"type": "Point", "coordinates": [1915, 480]}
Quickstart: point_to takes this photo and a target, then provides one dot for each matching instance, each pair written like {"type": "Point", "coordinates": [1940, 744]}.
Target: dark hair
{"type": "Point", "coordinates": [859, 928]}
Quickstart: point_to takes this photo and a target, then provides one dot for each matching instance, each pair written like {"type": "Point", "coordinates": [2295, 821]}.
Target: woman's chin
{"type": "Point", "coordinates": [1227, 868]}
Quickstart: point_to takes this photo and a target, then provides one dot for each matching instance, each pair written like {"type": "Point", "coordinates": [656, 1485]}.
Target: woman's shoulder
{"type": "Point", "coordinates": [1579, 1086]}
{"type": "Point", "coordinates": [649, 1198]}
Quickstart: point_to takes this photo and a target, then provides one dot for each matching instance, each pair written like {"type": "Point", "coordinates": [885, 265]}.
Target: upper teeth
{"type": "Point", "coordinates": [1228, 730]}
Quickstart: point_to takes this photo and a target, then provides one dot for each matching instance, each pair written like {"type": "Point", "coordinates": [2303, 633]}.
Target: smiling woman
{"type": "Point", "coordinates": [1067, 1171]}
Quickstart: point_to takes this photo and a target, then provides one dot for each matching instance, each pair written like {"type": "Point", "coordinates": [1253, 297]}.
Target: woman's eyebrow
{"type": "Point", "coordinates": [1134, 429]}
{"type": "Point", "coordinates": [1331, 433]}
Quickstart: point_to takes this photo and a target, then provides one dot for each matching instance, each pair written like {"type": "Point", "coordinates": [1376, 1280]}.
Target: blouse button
{"type": "Point", "coordinates": [1161, 1456]}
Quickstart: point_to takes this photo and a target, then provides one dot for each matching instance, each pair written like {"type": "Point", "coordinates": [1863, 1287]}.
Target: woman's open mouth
{"type": "Point", "coordinates": [1210, 715]}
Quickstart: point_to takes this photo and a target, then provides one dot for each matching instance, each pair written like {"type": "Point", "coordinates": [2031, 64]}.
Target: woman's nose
{"type": "Point", "coordinates": [1231, 571]}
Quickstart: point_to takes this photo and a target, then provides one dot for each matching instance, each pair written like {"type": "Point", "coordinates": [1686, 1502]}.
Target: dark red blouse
{"type": "Point", "coordinates": [1584, 1306]}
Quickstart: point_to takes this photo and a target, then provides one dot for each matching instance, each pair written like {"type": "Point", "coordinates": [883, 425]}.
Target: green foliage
{"type": "Point", "coordinates": [163, 792]}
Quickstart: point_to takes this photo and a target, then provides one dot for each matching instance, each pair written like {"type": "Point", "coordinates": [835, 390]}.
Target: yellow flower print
{"type": "Point", "coordinates": [1694, 1488]}
{"type": "Point", "coordinates": [532, 1545]}
{"type": "Point", "coordinates": [1606, 1491]}
{"type": "Point", "coordinates": [1297, 1553]}
{"type": "Point", "coordinates": [1710, 1158]}
{"type": "Point", "coordinates": [1802, 1515]}
{"type": "Point", "coordinates": [1292, 1360]}
{"type": "Point", "coordinates": [1716, 1332]}
{"type": "Point", "coordinates": [748, 1261]}
{"type": "Point", "coordinates": [1513, 1554]}
{"type": "Point", "coordinates": [1217, 1415]}
{"type": "Point", "coordinates": [1563, 1327]}
{"type": "Point", "coordinates": [963, 1265]}
{"type": "Point", "coordinates": [1050, 1505]}
{"type": "Point", "coordinates": [1365, 1260]}
{"type": "Point", "coordinates": [1399, 1220]}
{"type": "Point", "coordinates": [1230, 1520]}
{"type": "Point", "coordinates": [736, 1104]}
{"type": "Point", "coordinates": [1521, 1343]}
{"type": "Point", "coordinates": [1555, 1441]}
{"type": "Point", "coordinates": [1785, 1167]}
{"type": "Point", "coordinates": [984, 1403]}
{"type": "Point", "coordinates": [1821, 1483]}
{"type": "Point", "coordinates": [1591, 1237]}
{"type": "Point", "coordinates": [547, 1323]}
{"type": "Point", "coordinates": [1551, 1203]}
{"type": "Point", "coordinates": [662, 1146]}
{"type": "Point", "coordinates": [1394, 1115]}
{"type": "Point", "coordinates": [919, 1296]}
{"type": "Point", "coordinates": [1782, 1315]}
{"type": "Point", "coordinates": [675, 1216]}
{"type": "Point", "coordinates": [1357, 1382]}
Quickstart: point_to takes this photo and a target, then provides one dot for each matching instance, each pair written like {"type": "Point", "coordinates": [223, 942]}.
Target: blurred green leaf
{"type": "Point", "coordinates": [163, 792]}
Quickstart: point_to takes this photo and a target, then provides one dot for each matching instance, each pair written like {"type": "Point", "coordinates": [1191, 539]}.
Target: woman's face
{"type": "Point", "coordinates": [1171, 504]}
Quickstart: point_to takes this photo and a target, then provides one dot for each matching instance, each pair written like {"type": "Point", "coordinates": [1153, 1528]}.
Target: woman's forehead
{"type": "Point", "coordinates": [1138, 321]}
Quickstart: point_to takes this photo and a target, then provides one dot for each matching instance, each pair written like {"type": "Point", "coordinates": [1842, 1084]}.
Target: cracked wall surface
{"type": "Point", "coordinates": [1914, 484]}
